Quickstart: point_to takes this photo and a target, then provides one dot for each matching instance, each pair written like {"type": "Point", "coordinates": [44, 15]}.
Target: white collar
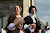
{"type": "Point", "coordinates": [32, 16]}
{"type": "Point", "coordinates": [18, 16]}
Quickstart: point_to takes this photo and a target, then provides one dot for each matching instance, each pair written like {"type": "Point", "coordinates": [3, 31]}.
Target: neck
{"type": "Point", "coordinates": [32, 14]}
{"type": "Point", "coordinates": [18, 14]}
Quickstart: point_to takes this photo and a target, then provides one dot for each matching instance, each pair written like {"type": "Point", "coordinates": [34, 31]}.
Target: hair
{"type": "Point", "coordinates": [2, 26]}
{"type": "Point", "coordinates": [19, 7]}
{"type": "Point", "coordinates": [31, 8]}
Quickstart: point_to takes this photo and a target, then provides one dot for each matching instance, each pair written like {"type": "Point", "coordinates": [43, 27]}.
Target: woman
{"type": "Point", "coordinates": [13, 20]}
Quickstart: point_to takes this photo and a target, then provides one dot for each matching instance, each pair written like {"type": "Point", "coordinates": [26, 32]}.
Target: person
{"type": "Point", "coordinates": [3, 30]}
{"type": "Point", "coordinates": [48, 29]}
{"type": "Point", "coordinates": [30, 22]}
{"type": "Point", "coordinates": [13, 20]}
{"type": "Point", "coordinates": [44, 30]}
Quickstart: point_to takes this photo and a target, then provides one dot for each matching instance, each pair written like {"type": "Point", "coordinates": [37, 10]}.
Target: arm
{"type": "Point", "coordinates": [26, 26]}
{"type": "Point", "coordinates": [33, 25]}
{"type": "Point", "coordinates": [11, 26]}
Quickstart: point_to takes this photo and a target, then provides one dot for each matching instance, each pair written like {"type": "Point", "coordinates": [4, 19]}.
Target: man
{"type": "Point", "coordinates": [48, 29]}
{"type": "Point", "coordinates": [31, 21]}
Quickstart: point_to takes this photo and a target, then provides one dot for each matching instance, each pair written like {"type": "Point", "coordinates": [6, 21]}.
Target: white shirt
{"type": "Point", "coordinates": [32, 16]}
{"type": "Point", "coordinates": [3, 31]}
{"type": "Point", "coordinates": [27, 26]}
{"type": "Point", "coordinates": [30, 28]}
{"type": "Point", "coordinates": [40, 31]}
{"type": "Point", "coordinates": [48, 31]}
{"type": "Point", "coordinates": [48, 27]}
{"type": "Point", "coordinates": [11, 26]}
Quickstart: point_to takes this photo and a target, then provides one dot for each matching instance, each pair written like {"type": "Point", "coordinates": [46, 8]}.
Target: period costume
{"type": "Point", "coordinates": [13, 24]}
{"type": "Point", "coordinates": [29, 20]}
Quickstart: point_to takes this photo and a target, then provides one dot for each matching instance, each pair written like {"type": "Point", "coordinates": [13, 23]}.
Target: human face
{"type": "Point", "coordinates": [33, 10]}
{"type": "Point", "coordinates": [17, 9]}
{"type": "Point", "coordinates": [20, 26]}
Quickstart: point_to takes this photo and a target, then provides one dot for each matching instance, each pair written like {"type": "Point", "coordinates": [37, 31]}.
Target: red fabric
{"type": "Point", "coordinates": [34, 31]}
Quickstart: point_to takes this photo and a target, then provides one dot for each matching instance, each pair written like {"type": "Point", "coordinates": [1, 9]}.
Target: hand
{"type": "Point", "coordinates": [33, 25]}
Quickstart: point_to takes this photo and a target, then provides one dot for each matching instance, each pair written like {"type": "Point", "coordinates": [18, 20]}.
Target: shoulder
{"type": "Point", "coordinates": [12, 15]}
{"type": "Point", "coordinates": [2, 29]}
{"type": "Point", "coordinates": [27, 17]}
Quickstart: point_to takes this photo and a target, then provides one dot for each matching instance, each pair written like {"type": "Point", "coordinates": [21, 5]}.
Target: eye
{"type": "Point", "coordinates": [21, 24]}
{"type": "Point", "coordinates": [32, 10]}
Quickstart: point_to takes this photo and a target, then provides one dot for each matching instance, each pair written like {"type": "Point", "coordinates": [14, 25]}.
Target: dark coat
{"type": "Point", "coordinates": [28, 20]}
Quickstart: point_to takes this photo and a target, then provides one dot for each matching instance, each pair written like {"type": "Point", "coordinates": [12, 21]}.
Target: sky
{"type": "Point", "coordinates": [43, 10]}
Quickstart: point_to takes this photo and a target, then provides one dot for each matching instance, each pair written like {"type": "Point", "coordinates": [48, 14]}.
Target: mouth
{"type": "Point", "coordinates": [16, 10]}
{"type": "Point", "coordinates": [20, 28]}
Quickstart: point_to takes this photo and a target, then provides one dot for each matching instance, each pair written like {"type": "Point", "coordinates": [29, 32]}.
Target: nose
{"type": "Point", "coordinates": [20, 25]}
